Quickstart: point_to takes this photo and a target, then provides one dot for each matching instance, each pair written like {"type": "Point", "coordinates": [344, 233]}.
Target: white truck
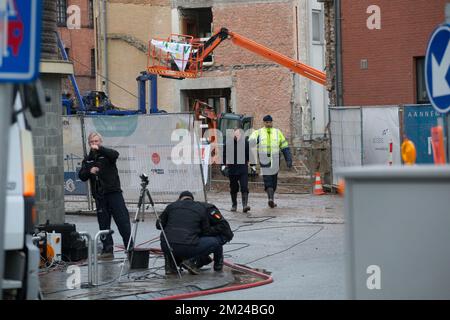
{"type": "Point", "coordinates": [21, 255]}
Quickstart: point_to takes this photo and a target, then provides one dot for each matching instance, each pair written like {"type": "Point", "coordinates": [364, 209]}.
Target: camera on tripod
{"type": "Point", "coordinates": [144, 180]}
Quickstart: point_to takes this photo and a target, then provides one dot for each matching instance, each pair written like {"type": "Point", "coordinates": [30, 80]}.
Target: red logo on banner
{"type": "Point", "coordinates": [155, 158]}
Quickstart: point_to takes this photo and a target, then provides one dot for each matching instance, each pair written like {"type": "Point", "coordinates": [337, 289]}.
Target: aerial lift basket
{"type": "Point", "coordinates": [177, 57]}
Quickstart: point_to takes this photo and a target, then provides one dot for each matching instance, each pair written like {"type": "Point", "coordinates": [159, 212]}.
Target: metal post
{"type": "Point", "coordinates": [446, 117]}
{"type": "Point", "coordinates": [6, 102]}
{"type": "Point", "coordinates": [101, 232]}
{"type": "Point", "coordinates": [362, 138]}
{"type": "Point", "coordinates": [141, 94]}
{"type": "Point", "coordinates": [105, 46]}
{"type": "Point", "coordinates": [331, 147]}
{"type": "Point", "coordinates": [83, 144]}
{"type": "Point", "coordinates": [71, 77]}
{"type": "Point", "coordinates": [90, 258]}
{"type": "Point", "coordinates": [153, 93]}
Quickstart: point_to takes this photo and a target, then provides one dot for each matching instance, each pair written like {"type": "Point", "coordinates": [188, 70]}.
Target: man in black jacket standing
{"type": "Point", "coordinates": [99, 167]}
{"type": "Point", "coordinates": [236, 161]}
{"type": "Point", "coordinates": [188, 231]}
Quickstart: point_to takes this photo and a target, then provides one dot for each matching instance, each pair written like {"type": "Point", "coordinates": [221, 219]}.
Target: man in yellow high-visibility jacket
{"type": "Point", "coordinates": [270, 141]}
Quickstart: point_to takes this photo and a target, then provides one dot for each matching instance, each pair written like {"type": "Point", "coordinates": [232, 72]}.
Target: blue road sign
{"type": "Point", "coordinates": [20, 39]}
{"type": "Point", "coordinates": [437, 63]}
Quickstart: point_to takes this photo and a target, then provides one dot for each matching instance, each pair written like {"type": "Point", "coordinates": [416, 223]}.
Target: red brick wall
{"type": "Point", "coordinates": [261, 86]}
{"type": "Point", "coordinates": [406, 26]}
{"type": "Point", "coordinates": [266, 91]}
{"type": "Point", "coordinates": [80, 42]}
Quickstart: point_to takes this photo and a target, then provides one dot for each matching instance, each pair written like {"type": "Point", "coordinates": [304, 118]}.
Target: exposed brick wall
{"type": "Point", "coordinates": [262, 87]}
{"type": "Point", "coordinates": [259, 22]}
{"type": "Point", "coordinates": [405, 29]}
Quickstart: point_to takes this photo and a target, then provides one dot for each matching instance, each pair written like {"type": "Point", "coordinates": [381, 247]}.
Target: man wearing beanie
{"type": "Point", "coordinates": [186, 225]}
{"type": "Point", "coordinates": [269, 142]}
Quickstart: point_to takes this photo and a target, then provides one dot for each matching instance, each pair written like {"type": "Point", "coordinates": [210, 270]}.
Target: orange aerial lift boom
{"type": "Point", "coordinates": [162, 63]}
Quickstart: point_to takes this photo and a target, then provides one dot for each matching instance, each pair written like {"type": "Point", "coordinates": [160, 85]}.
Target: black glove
{"type": "Point", "coordinates": [287, 156]}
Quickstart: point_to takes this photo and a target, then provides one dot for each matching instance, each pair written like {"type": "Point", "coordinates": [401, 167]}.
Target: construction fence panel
{"type": "Point", "coordinates": [417, 123]}
{"type": "Point", "coordinates": [346, 135]}
{"type": "Point", "coordinates": [381, 126]}
{"type": "Point", "coordinates": [145, 145]}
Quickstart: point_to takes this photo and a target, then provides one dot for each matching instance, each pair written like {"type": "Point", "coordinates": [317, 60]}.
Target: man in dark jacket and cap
{"type": "Point", "coordinates": [188, 231]}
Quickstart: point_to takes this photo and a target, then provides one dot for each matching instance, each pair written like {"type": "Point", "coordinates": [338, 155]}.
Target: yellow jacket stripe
{"type": "Point", "coordinates": [269, 140]}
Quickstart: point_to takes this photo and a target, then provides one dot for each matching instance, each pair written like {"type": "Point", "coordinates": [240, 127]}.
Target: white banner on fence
{"type": "Point", "coordinates": [145, 146]}
{"type": "Point", "coordinates": [380, 127]}
{"type": "Point", "coordinates": [345, 126]}
{"type": "Point", "coordinates": [73, 155]}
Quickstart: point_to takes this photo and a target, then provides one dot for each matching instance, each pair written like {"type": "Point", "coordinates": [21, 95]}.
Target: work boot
{"type": "Point", "coordinates": [190, 266]}
{"type": "Point", "coordinates": [245, 206]}
{"type": "Point", "coordinates": [270, 195]}
{"type": "Point", "coordinates": [169, 265]}
{"type": "Point", "coordinates": [203, 261]}
{"type": "Point", "coordinates": [234, 202]}
{"type": "Point", "coordinates": [218, 262]}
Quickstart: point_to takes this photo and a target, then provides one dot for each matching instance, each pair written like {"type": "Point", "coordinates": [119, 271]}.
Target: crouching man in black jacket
{"type": "Point", "coordinates": [190, 235]}
{"type": "Point", "coordinates": [219, 227]}
{"type": "Point", "coordinates": [99, 167]}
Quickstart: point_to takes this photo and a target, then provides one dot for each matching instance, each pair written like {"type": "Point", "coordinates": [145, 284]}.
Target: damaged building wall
{"type": "Point", "coordinates": [262, 86]}
{"type": "Point", "coordinates": [130, 26]}
{"type": "Point", "coordinates": [259, 86]}
{"type": "Point", "coordinates": [310, 107]}
{"type": "Point", "coordinates": [330, 53]}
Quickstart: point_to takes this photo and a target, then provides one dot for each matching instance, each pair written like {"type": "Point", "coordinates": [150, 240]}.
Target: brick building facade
{"type": "Point", "coordinates": [79, 43]}
{"type": "Point", "coordinates": [384, 66]}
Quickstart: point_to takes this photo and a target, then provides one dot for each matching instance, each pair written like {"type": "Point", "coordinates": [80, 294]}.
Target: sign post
{"type": "Point", "coordinates": [437, 63]}
{"type": "Point", "coordinates": [447, 119]}
{"type": "Point", "coordinates": [20, 30]}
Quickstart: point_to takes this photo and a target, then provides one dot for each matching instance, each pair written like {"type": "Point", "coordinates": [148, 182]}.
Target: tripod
{"type": "Point", "coordinates": [140, 212]}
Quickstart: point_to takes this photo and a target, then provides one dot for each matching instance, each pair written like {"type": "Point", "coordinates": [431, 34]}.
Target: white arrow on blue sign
{"type": "Point", "coordinates": [437, 63]}
{"type": "Point", "coordinates": [20, 39]}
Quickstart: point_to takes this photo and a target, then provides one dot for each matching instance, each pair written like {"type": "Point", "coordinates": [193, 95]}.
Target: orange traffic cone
{"type": "Point", "coordinates": [318, 189]}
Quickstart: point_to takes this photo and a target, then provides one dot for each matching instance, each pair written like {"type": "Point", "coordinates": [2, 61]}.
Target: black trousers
{"type": "Point", "coordinates": [270, 181]}
{"type": "Point", "coordinates": [205, 246]}
{"type": "Point", "coordinates": [112, 205]}
{"type": "Point", "coordinates": [236, 180]}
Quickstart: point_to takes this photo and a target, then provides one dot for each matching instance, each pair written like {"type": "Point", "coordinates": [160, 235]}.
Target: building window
{"type": "Point", "coordinates": [67, 52]}
{"type": "Point", "coordinates": [317, 27]}
{"type": "Point", "coordinates": [93, 69]}
{"type": "Point", "coordinates": [421, 90]}
{"type": "Point", "coordinates": [91, 13]}
{"type": "Point", "coordinates": [197, 23]}
{"type": "Point", "coordinates": [61, 7]}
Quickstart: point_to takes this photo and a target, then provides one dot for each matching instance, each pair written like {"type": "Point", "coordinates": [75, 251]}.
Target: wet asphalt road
{"type": "Point", "coordinates": [301, 243]}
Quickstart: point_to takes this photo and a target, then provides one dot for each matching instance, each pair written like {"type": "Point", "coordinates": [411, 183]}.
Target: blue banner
{"type": "Point", "coordinates": [417, 123]}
